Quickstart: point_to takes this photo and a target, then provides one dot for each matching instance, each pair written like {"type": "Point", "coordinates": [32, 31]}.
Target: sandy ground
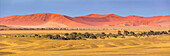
{"type": "Point", "coordinates": [146, 46]}
{"type": "Point", "coordinates": [78, 31]}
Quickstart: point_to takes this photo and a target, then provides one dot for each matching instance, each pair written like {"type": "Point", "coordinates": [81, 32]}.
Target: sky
{"type": "Point", "coordinates": [75, 8]}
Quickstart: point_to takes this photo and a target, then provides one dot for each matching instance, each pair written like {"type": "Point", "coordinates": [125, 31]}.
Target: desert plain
{"type": "Point", "coordinates": [156, 45]}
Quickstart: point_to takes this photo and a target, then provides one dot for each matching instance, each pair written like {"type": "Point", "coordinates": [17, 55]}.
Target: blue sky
{"type": "Point", "coordinates": [74, 8]}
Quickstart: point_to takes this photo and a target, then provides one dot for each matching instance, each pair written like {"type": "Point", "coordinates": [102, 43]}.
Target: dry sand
{"type": "Point", "coordinates": [146, 46]}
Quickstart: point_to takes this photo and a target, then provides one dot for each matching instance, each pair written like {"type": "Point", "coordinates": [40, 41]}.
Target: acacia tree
{"type": "Point", "coordinates": [72, 37]}
{"type": "Point", "coordinates": [57, 36]}
{"type": "Point", "coordinates": [119, 33]}
{"type": "Point", "coordinates": [109, 35]}
{"type": "Point", "coordinates": [164, 32]}
{"type": "Point", "coordinates": [157, 33]}
{"type": "Point", "coordinates": [103, 34]}
{"type": "Point", "coordinates": [151, 32]}
{"type": "Point", "coordinates": [36, 35]}
{"type": "Point", "coordinates": [135, 35]}
{"type": "Point", "coordinates": [80, 34]}
{"type": "Point", "coordinates": [132, 33]}
{"type": "Point", "coordinates": [49, 36]}
{"type": "Point", "coordinates": [66, 34]}
{"type": "Point", "coordinates": [126, 32]}
{"type": "Point", "coordinates": [98, 35]}
{"type": "Point", "coordinates": [92, 36]}
{"type": "Point", "coordinates": [86, 35]}
{"type": "Point", "coordinates": [115, 36]}
{"type": "Point", "coordinates": [73, 33]}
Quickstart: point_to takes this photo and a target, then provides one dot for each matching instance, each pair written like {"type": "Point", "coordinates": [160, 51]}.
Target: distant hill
{"type": "Point", "coordinates": [51, 20]}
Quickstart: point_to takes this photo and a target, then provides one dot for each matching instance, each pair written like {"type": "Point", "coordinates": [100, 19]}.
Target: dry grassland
{"type": "Point", "coordinates": [146, 46]}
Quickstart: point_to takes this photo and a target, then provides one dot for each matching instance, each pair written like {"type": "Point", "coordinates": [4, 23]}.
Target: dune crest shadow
{"type": "Point", "coordinates": [5, 53]}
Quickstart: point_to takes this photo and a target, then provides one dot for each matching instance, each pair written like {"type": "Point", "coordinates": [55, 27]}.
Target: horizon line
{"type": "Point", "coordinates": [81, 15]}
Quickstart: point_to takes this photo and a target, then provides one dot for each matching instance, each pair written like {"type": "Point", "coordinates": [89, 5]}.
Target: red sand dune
{"type": "Point", "coordinates": [57, 20]}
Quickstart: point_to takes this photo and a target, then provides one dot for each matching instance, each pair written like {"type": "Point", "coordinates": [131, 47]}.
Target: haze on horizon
{"type": "Point", "coordinates": [74, 8]}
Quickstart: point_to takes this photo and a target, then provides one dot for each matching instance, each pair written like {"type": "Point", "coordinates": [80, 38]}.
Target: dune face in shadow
{"type": "Point", "coordinates": [5, 53]}
{"type": "Point", "coordinates": [2, 45]}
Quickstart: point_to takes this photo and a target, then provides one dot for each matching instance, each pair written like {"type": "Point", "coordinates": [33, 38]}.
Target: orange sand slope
{"type": "Point", "coordinates": [146, 46]}
{"type": "Point", "coordinates": [40, 20]}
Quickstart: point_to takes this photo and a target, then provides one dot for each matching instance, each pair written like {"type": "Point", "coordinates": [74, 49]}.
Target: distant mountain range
{"type": "Point", "coordinates": [50, 20]}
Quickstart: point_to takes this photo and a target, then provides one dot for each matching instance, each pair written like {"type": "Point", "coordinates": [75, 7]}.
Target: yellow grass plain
{"type": "Point", "coordinates": [158, 45]}
{"type": "Point", "coordinates": [146, 46]}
